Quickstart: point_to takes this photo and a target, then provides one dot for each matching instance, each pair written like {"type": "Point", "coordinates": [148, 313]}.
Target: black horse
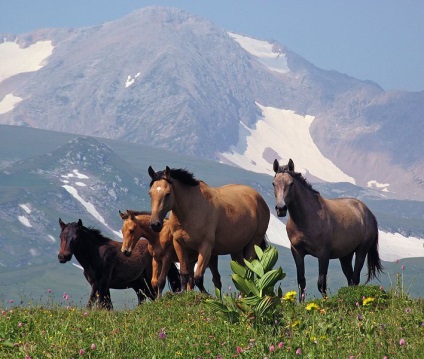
{"type": "Point", "coordinates": [106, 267]}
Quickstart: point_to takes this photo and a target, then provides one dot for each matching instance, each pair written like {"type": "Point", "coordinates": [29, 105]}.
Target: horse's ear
{"type": "Point", "coordinates": [61, 223]}
{"type": "Point", "coordinates": [130, 214]}
{"type": "Point", "coordinates": [275, 166]}
{"type": "Point", "coordinates": [167, 173]}
{"type": "Point", "coordinates": [152, 173]}
{"type": "Point", "coordinates": [80, 222]}
{"type": "Point", "coordinates": [121, 214]}
{"type": "Point", "coordinates": [291, 165]}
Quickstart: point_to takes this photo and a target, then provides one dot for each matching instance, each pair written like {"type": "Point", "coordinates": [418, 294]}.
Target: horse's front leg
{"type": "Point", "coordinates": [202, 263]}
{"type": "Point", "coordinates": [166, 264]}
{"type": "Point", "coordinates": [92, 297]}
{"type": "Point", "coordinates": [299, 260]}
{"type": "Point", "coordinates": [323, 263]}
{"type": "Point", "coordinates": [183, 258]}
{"type": "Point", "coordinates": [156, 268]}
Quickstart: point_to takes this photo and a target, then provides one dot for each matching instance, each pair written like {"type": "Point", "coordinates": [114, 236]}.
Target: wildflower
{"type": "Point", "coordinates": [239, 350]}
{"type": "Point", "coordinates": [81, 352]}
{"type": "Point", "coordinates": [11, 301]}
{"type": "Point", "coordinates": [280, 345]}
{"type": "Point", "coordinates": [27, 357]}
{"type": "Point", "coordinates": [359, 317]}
{"type": "Point", "coordinates": [162, 334]}
{"type": "Point", "coordinates": [407, 310]}
{"type": "Point", "coordinates": [229, 287]}
{"type": "Point", "coordinates": [290, 296]}
{"type": "Point", "coordinates": [85, 314]}
{"type": "Point", "coordinates": [20, 324]}
{"type": "Point", "coordinates": [402, 342]}
{"type": "Point", "coordinates": [403, 267]}
{"type": "Point", "coordinates": [49, 290]}
{"type": "Point", "coordinates": [351, 357]}
{"type": "Point", "coordinates": [298, 351]}
{"type": "Point", "coordinates": [271, 348]}
{"type": "Point", "coordinates": [93, 346]}
{"type": "Point", "coordinates": [311, 306]}
{"type": "Point", "coordinates": [367, 301]}
{"type": "Point", "coordinates": [3, 312]}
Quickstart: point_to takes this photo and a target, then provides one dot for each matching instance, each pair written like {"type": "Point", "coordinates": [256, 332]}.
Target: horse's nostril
{"type": "Point", "coordinates": [157, 226]}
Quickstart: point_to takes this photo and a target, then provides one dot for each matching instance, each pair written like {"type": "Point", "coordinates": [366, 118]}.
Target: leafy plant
{"type": "Point", "coordinates": [258, 301]}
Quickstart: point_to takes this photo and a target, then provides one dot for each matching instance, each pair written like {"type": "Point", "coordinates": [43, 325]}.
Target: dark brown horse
{"type": "Point", "coordinates": [105, 266]}
{"type": "Point", "coordinates": [231, 219]}
{"type": "Point", "coordinates": [136, 225]}
{"type": "Point", "coordinates": [325, 228]}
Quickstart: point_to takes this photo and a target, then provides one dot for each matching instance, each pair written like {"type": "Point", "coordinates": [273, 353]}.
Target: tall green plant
{"type": "Point", "coordinates": [258, 300]}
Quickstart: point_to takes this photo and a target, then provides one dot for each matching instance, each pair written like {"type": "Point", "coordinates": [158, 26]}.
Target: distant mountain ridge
{"type": "Point", "coordinates": [169, 79]}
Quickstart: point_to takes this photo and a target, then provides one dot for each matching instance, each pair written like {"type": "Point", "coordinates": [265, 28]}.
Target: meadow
{"type": "Point", "coordinates": [357, 322]}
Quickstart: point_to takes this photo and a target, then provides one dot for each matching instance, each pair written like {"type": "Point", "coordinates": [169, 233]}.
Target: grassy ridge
{"type": "Point", "coordinates": [182, 326]}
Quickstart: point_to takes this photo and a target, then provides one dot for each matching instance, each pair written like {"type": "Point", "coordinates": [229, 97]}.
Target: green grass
{"type": "Point", "coordinates": [182, 326]}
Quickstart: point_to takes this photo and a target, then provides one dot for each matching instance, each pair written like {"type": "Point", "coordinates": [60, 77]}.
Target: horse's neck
{"type": "Point", "coordinates": [304, 206]}
{"type": "Point", "coordinates": [186, 200]}
{"type": "Point", "coordinates": [146, 230]}
{"type": "Point", "coordinates": [86, 250]}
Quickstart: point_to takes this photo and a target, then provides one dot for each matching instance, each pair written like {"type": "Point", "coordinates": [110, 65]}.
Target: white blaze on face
{"type": "Point", "coordinates": [158, 188]}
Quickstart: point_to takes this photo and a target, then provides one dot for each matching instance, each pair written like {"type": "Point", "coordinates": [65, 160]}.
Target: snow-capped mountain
{"type": "Point", "coordinates": [169, 79]}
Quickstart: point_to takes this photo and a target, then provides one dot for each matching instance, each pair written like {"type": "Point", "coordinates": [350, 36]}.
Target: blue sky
{"type": "Point", "coordinates": [378, 40]}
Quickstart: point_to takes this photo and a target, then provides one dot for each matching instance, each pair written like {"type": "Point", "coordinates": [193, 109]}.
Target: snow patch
{"type": "Point", "coordinates": [25, 208]}
{"type": "Point", "coordinates": [381, 186]}
{"type": "Point", "coordinates": [287, 135]}
{"type": "Point", "coordinates": [53, 239]}
{"type": "Point", "coordinates": [15, 60]}
{"type": "Point", "coordinates": [8, 103]}
{"type": "Point", "coordinates": [131, 80]}
{"type": "Point", "coordinates": [81, 184]}
{"type": "Point", "coordinates": [264, 51]}
{"type": "Point", "coordinates": [24, 221]}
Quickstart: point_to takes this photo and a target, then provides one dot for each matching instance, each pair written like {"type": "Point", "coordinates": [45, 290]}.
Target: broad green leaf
{"type": "Point", "coordinates": [271, 278]}
{"type": "Point", "coordinates": [253, 288]}
{"type": "Point", "coordinates": [259, 252]}
{"type": "Point", "coordinates": [218, 306]}
{"type": "Point", "coordinates": [240, 283]}
{"type": "Point", "coordinates": [237, 268]}
{"type": "Point", "coordinates": [269, 258]}
{"type": "Point", "coordinates": [255, 266]}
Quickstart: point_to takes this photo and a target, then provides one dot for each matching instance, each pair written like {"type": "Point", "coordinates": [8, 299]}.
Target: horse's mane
{"type": "Point", "coordinates": [179, 174]}
{"type": "Point", "coordinates": [299, 177]}
{"type": "Point", "coordinates": [184, 177]}
{"type": "Point", "coordinates": [96, 233]}
{"type": "Point", "coordinates": [138, 213]}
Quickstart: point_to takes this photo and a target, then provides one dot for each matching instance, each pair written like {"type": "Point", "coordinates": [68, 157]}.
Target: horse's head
{"type": "Point", "coordinates": [161, 195]}
{"type": "Point", "coordinates": [282, 184]}
{"type": "Point", "coordinates": [131, 232]}
{"type": "Point", "coordinates": [68, 236]}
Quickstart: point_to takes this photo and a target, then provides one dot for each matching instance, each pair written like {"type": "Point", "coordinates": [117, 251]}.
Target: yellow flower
{"type": "Point", "coordinates": [367, 301]}
{"type": "Point", "coordinates": [311, 306]}
{"type": "Point", "coordinates": [290, 296]}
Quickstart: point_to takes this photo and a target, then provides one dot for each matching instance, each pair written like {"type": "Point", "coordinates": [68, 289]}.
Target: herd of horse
{"type": "Point", "coordinates": [205, 222]}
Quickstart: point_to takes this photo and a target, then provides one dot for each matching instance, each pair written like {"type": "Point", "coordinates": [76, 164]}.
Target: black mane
{"type": "Point", "coordinates": [178, 174]}
{"type": "Point", "coordinates": [137, 213]}
{"type": "Point", "coordinates": [94, 232]}
{"type": "Point", "coordinates": [297, 176]}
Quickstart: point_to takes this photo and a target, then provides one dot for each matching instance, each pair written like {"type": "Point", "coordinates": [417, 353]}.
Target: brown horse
{"type": "Point", "coordinates": [325, 228]}
{"type": "Point", "coordinates": [136, 225]}
{"type": "Point", "coordinates": [105, 266]}
{"type": "Point", "coordinates": [231, 219]}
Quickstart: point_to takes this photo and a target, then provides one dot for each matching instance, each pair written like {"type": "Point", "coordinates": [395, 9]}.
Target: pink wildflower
{"type": "Point", "coordinates": [271, 348]}
{"type": "Point", "coordinates": [239, 350]}
{"type": "Point", "coordinates": [280, 345]}
{"type": "Point", "coordinates": [20, 324]}
{"type": "Point", "coordinates": [81, 352]}
{"type": "Point", "coordinates": [402, 342]}
{"type": "Point", "coordinates": [298, 351]}
{"type": "Point", "coordinates": [93, 346]}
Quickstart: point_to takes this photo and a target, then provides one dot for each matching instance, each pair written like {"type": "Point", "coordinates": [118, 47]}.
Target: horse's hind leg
{"type": "Point", "coordinates": [360, 256]}
{"type": "Point", "coordinates": [216, 277]}
{"type": "Point", "coordinates": [346, 263]}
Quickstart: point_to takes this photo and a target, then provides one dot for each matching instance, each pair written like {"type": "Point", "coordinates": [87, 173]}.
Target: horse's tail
{"type": "Point", "coordinates": [374, 263]}
{"type": "Point", "coordinates": [174, 280]}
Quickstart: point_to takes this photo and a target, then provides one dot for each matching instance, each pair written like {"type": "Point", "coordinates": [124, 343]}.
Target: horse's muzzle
{"type": "Point", "coordinates": [156, 226]}
{"type": "Point", "coordinates": [63, 258]}
{"type": "Point", "coordinates": [281, 211]}
{"type": "Point", "coordinates": [126, 252]}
